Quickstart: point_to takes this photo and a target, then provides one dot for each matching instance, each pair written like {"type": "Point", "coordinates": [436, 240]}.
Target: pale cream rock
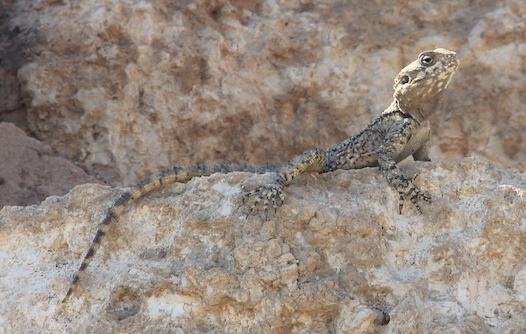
{"type": "Point", "coordinates": [335, 258]}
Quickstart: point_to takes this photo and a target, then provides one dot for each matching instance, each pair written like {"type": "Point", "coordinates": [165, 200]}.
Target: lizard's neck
{"type": "Point", "coordinates": [419, 111]}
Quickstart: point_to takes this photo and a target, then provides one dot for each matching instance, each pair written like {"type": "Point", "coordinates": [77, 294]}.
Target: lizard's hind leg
{"type": "Point", "coordinates": [272, 195]}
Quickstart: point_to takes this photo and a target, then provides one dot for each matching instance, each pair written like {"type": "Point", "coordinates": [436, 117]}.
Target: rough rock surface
{"type": "Point", "coordinates": [130, 87]}
{"type": "Point", "coordinates": [31, 171]}
{"type": "Point", "coordinates": [335, 258]}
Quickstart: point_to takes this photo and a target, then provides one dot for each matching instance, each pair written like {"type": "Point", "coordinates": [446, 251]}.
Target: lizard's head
{"type": "Point", "coordinates": [419, 86]}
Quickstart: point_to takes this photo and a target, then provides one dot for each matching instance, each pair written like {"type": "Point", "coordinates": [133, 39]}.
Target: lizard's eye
{"type": "Point", "coordinates": [427, 60]}
{"type": "Point", "coordinates": [404, 79]}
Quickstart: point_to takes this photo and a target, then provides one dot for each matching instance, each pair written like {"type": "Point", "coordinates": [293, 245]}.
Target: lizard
{"type": "Point", "coordinates": [403, 129]}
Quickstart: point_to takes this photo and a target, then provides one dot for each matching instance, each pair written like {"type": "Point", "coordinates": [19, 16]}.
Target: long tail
{"type": "Point", "coordinates": [151, 183]}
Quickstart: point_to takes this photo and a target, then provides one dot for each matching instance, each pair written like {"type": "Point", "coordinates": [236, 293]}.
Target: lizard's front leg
{"type": "Point", "coordinates": [272, 194]}
{"type": "Point", "coordinates": [394, 143]}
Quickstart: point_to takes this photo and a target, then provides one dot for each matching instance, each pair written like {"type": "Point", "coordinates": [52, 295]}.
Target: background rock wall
{"type": "Point", "coordinates": [129, 87]}
{"type": "Point", "coordinates": [31, 171]}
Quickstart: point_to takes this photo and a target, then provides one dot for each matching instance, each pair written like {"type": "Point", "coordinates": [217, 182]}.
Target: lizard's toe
{"type": "Point", "coordinates": [268, 196]}
{"type": "Point", "coordinates": [414, 194]}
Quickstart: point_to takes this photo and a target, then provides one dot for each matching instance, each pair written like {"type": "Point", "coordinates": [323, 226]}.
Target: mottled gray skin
{"type": "Point", "coordinates": [400, 131]}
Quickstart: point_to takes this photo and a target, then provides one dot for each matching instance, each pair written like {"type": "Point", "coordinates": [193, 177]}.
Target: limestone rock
{"type": "Point", "coordinates": [31, 171]}
{"type": "Point", "coordinates": [335, 258]}
{"type": "Point", "coordinates": [131, 87]}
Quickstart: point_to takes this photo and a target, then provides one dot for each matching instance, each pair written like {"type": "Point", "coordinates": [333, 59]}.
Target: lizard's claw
{"type": "Point", "coordinates": [414, 194]}
{"type": "Point", "coordinates": [269, 195]}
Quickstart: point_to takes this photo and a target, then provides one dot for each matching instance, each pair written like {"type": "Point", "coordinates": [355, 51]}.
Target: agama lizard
{"type": "Point", "coordinates": [400, 131]}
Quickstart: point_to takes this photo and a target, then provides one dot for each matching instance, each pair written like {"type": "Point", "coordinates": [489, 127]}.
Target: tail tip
{"type": "Point", "coordinates": [70, 290]}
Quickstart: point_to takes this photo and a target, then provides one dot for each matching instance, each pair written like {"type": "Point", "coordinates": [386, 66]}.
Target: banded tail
{"type": "Point", "coordinates": [149, 184]}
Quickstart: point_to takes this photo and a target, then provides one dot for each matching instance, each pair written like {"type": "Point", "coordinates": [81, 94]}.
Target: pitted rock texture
{"type": "Point", "coordinates": [335, 258]}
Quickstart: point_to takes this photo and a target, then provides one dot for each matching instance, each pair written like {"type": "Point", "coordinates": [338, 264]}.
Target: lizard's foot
{"type": "Point", "coordinates": [268, 195]}
{"type": "Point", "coordinates": [414, 194]}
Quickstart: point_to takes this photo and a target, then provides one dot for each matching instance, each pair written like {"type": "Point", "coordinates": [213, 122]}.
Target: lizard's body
{"type": "Point", "coordinates": [400, 131]}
